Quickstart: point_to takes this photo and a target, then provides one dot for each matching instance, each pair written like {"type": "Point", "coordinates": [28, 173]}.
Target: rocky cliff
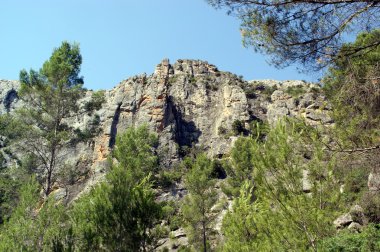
{"type": "Point", "coordinates": [188, 104]}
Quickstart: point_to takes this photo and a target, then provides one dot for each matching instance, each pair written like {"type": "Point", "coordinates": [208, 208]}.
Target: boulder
{"type": "Point", "coordinates": [374, 182]}
{"type": "Point", "coordinates": [59, 194]}
{"type": "Point", "coordinates": [354, 226]}
{"type": "Point", "coordinates": [343, 221]}
{"type": "Point", "coordinates": [306, 185]}
{"type": "Point", "coordinates": [357, 214]}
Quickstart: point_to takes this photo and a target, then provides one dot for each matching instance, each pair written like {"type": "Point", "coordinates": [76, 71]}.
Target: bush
{"type": "Point", "coordinates": [222, 130]}
{"type": "Point", "coordinates": [259, 129]}
{"type": "Point", "coordinates": [268, 90]}
{"type": "Point", "coordinates": [90, 132]}
{"type": "Point", "coordinates": [250, 92]}
{"type": "Point", "coordinates": [367, 240]}
{"type": "Point", "coordinates": [295, 91]}
{"type": "Point", "coordinates": [355, 183]}
{"type": "Point", "coordinates": [238, 127]}
{"type": "Point", "coordinates": [96, 102]}
{"type": "Point", "coordinates": [168, 178]}
{"type": "Point", "coordinates": [371, 206]}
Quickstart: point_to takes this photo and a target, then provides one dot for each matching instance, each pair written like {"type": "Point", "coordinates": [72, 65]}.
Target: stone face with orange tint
{"type": "Point", "coordinates": [188, 103]}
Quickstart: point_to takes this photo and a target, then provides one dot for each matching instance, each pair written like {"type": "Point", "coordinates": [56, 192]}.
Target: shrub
{"type": "Point", "coordinates": [222, 130]}
{"type": "Point", "coordinates": [268, 90]}
{"type": "Point", "coordinates": [295, 91]}
{"type": "Point", "coordinates": [367, 240]}
{"type": "Point", "coordinates": [238, 127]}
{"type": "Point", "coordinates": [250, 92]}
{"type": "Point", "coordinates": [371, 206]}
{"type": "Point", "coordinates": [90, 132]}
{"type": "Point", "coordinates": [355, 182]}
{"type": "Point", "coordinates": [192, 79]}
{"type": "Point", "coordinates": [259, 130]}
{"type": "Point", "coordinates": [96, 102]}
{"type": "Point", "coordinates": [168, 178]}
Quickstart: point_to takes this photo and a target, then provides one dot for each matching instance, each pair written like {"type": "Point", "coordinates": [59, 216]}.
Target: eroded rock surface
{"type": "Point", "coordinates": [188, 104]}
{"type": "Point", "coordinates": [9, 99]}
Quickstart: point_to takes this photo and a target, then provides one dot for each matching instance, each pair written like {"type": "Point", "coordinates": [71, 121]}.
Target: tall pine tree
{"type": "Point", "coordinates": [50, 97]}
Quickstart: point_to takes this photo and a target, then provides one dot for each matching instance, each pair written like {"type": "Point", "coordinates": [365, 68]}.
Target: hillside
{"type": "Point", "coordinates": [191, 106]}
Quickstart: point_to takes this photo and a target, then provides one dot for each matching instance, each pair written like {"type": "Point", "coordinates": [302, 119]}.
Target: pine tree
{"type": "Point", "coordinates": [239, 225]}
{"type": "Point", "coordinates": [282, 216]}
{"type": "Point", "coordinates": [197, 205]}
{"type": "Point", "coordinates": [51, 96]}
{"type": "Point", "coordinates": [32, 226]}
{"type": "Point", "coordinates": [120, 213]}
{"type": "Point", "coordinates": [241, 164]}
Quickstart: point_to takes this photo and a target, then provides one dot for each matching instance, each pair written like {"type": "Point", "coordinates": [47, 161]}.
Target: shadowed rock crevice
{"type": "Point", "coordinates": [186, 134]}
{"type": "Point", "coordinates": [113, 131]}
{"type": "Point", "coordinates": [11, 97]}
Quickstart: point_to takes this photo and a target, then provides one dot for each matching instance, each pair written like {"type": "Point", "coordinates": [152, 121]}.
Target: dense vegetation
{"type": "Point", "coordinates": [285, 184]}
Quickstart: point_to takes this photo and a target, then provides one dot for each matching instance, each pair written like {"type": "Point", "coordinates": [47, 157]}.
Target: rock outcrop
{"type": "Point", "coordinates": [353, 220]}
{"type": "Point", "coordinates": [188, 104]}
{"type": "Point", "coordinates": [374, 182]}
{"type": "Point", "coordinates": [8, 95]}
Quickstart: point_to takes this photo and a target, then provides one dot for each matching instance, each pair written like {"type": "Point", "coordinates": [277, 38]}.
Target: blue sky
{"type": "Point", "coordinates": [122, 38]}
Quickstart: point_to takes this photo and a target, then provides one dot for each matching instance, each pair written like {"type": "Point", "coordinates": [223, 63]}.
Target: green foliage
{"type": "Point", "coordinates": [367, 240]}
{"type": "Point", "coordinates": [173, 80]}
{"type": "Point", "coordinates": [355, 183]}
{"type": "Point", "coordinates": [238, 127]}
{"type": "Point", "coordinates": [295, 91]}
{"type": "Point", "coordinates": [352, 86]}
{"type": "Point", "coordinates": [30, 228]}
{"type": "Point", "coordinates": [172, 215]}
{"type": "Point", "coordinates": [51, 96]}
{"type": "Point", "coordinates": [196, 207]}
{"type": "Point", "coordinates": [250, 92]}
{"type": "Point", "coordinates": [371, 206]}
{"type": "Point", "coordinates": [96, 102]}
{"type": "Point", "coordinates": [282, 215]}
{"type": "Point", "coordinates": [191, 79]}
{"type": "Point", "coordinates": [168, 178]}
{"type": "Point", "coordinates": [241, 165]}
{"type": "Point", "coordinates": [2, 161]}
{"type": "Point", "coordinates": [8, 196]}
{"type": "Point", "coordinates": [11, 179]}
{"type": "Point", "coordinates": [222, 130]}
{"type": "Point", "coordinates": [120, 214]}
{"type": "Point", "coordinates": [89, 132]}
{"type": "Point", "coordinates": [135, 151]}
{"type": "Point", "coordinates": [259, 87]}
{"type": "Point", "coordinates": [259, 130]}
{"type": "Point", "coordinates": [301, 32]}
{"type": "Point", "coordinates": [239, 225]}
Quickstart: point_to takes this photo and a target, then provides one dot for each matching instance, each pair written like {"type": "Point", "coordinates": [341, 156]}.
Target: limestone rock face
{"type": "Point", "coordinates": [188, 104]}
{"type": "Point", "coordinates": [185, 104]}
{"type": "Point", "coordinates": [374, 182]}
{"type": "Point", "coordinates": [297, 99]}
{"type": "Point", "coordinates": [8, 96]}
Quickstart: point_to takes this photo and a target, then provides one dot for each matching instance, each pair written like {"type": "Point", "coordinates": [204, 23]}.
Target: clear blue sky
{"type": "Point", "coordinates": [122, 38]}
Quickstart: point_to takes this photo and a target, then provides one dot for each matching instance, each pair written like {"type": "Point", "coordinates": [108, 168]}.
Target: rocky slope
{"type": "Point", "coordinates": [189, 104]}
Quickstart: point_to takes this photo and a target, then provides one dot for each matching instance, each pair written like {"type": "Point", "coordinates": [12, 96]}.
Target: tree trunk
{"type": "Point", "coordinates": [204, 236]}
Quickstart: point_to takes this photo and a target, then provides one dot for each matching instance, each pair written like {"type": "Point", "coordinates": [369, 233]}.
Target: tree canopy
{"type": "Point", "coordinates": [120, 213]}
{"type": "Point", "coordinates": [352, 86]}
{"type": "Point", "coordinates": [306, 32]}
{"type": "Point", "coordinates": [50, 96]}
